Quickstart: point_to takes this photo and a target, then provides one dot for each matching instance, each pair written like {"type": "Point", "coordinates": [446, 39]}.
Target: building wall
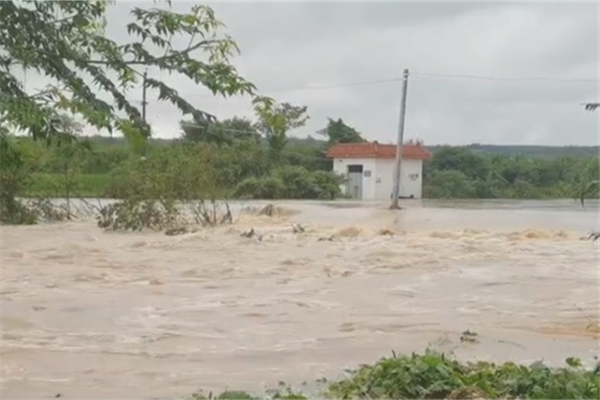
{"type": "Point", "coordinates": [340, 166]}
{"type": "Point", "coordinates": [380, 184]}
{"type": "Point", "coordinates": [408, 185]}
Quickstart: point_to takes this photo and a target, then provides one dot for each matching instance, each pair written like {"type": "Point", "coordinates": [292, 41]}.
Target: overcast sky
{"type": "Point", "coordinates": [289, 46]}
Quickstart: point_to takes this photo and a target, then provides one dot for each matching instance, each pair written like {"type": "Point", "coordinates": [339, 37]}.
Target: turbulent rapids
{"type": "Point", "coordinates": [314, 289]}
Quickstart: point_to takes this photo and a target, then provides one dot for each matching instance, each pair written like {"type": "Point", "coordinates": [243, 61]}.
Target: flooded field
{"type": "Point", "coordinates": [144, 315]}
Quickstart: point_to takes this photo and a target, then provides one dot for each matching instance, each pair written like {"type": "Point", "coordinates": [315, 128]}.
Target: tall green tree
{"type": "Point", "coordinates": [275, 121]}
{"type": "Point", "coordinates": [460, 159]}
{"type": "Point", "coordinates": [339, 132]}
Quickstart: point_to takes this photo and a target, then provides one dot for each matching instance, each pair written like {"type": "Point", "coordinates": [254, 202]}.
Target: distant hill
{"type": "Point", "coordinates": [532, 150]}
{"type": "Point", "coordinates": [527, 150]}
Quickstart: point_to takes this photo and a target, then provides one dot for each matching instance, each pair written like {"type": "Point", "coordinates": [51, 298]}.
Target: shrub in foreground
{"type": "Point", "coordinates": [435, 376]}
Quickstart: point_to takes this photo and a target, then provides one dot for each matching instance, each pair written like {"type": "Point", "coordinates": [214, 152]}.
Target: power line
{"type": "Point", "coordinates": [144, 102]}
{"type": "Point", "coordinates": [232, 130]}
{"type": "Point", "coordinates": [421, 75]}
{"type": "Point", "coordinates": [320, 87]}
{"type": "Point", "coordinates": [503, 79]}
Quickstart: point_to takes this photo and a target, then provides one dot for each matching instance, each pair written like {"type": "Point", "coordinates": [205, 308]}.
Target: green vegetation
{"type": "Point", "coordinates": [434, 375]}
{"type": "Point", "coordinates": [56, 185]}
{"type": "Point", "coordinates": [463, 173]}
{"type": "Point", "coordinates": [247, 167]}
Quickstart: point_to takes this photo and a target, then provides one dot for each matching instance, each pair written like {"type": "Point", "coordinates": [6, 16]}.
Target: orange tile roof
{"type": "Point", "coordinates": [376, 150]}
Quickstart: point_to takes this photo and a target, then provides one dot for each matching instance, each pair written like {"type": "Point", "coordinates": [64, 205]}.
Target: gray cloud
{"type": "Point", "coordinates": [295, 45]}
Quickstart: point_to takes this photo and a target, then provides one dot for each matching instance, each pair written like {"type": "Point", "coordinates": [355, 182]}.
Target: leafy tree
{"type": "Point", "coordinates": [65, 41]}
{"type": "Point", "coordinates": [276, 120]}
{"type": "Point", "coordinates": [339, 132]}
{"type": "Point", "coordinates": [460, 159]}
{"type": "Point", "coordinates": [450, 184]}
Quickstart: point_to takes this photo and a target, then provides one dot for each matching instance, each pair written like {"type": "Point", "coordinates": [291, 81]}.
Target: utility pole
{"type": "Point", "coordinates": [144, 102]}
{"type": "Point", "coordinates": [398, 169]}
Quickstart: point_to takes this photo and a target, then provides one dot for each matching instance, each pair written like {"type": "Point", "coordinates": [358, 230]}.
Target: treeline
{"type": "Point", "coordinates": [458, 172]}
{"type": "Point", "coordinates": [534, 151]}
{"type": "Point", "coordinates": [244, 163]}
{"type": "Point", "coordinates": [233, 158]}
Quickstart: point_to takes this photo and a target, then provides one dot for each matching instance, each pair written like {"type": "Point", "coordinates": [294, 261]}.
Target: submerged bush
{"type": "Point", "coordinates": [267, 188]}
{"type": "Point", "coordinates": [291, 183]}
{"type": "Point", "coordinates": [165, 190]}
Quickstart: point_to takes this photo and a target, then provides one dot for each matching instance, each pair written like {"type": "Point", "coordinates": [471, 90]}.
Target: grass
{"type": "Point", "coordinates": [433, 375]}
{"type": "Point", "coordinates": [54, 185]}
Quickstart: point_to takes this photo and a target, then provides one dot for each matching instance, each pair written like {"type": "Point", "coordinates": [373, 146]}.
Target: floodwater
{"type": "Point", "coordinates": [91, 314]}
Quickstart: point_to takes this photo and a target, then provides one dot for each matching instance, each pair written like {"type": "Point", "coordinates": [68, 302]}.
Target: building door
{"type": "Point", "coordinates": [354, 187]}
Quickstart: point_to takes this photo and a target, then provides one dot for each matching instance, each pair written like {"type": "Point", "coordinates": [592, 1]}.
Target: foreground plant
{"type": "Point", "coordinates": [433, 375]}
{"type": "Point", "coordinates": [436, 376]}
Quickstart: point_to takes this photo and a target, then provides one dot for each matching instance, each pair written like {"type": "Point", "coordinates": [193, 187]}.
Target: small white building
{"type": "Point", "coordinates": [369, 169]}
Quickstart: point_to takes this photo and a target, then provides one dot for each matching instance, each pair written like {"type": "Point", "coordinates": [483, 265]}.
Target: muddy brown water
{"type": "Point", "coordinates": [92, 314]}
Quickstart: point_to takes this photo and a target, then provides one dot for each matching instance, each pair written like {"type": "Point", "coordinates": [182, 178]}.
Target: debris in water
{"type": "Point", "coordinates": [326, 239]}
{"type": "Point", "coordinates": [155, 281]}
{"type": "Point", "coordinates": [179, 231]}
{"type": "Point", "coordinates": [594, 236]}
{"type": "Point", "coordinates": [351, 231]}
{"type": "Point", "coordinates": [269, 210]}
{"type": "Point", "coordinates": [469, 336]}
{"type": "Point", "coordinates": [248, 234]}
{"type": "Point", "coordinates": [176, 231]}
{"type": "Point", "coordinates": [297, 228]}
{"type": "Point", "coordinates": [593, 327]}
{"type": "Point", "coordinates": [386, 232]}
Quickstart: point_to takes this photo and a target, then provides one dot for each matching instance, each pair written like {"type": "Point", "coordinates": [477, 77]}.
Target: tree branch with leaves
{"type": "Point", "coordinates": [65, 42]}
{"type": "Point", "coordinates": [276, 120]}
{"type": "Point", "coordinates": [72, 47]}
